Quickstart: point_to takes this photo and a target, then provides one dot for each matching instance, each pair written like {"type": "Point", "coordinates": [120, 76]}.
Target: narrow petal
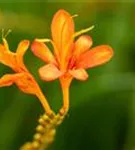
{"type": "Point", "coordinates": [49, 72]}
{"type": "Point", "coordinates": [56, 54]}
{"type": "Point", "coordinates": [21, 49]}
{"type": "Point", "coordinates": [96, 56]}
{"type": "Point", "coordinates": [2, 51]}
{"type": "Point", "coordinates": [42, 51]}
{"type": "Point", "coordinates": [62, 29]}
{"type": "Point", "coordinates": [79, 74]}
{"type": "Point", "coordinates": [82, 44]}
{"type": "Point", "coordinates": [9, 79]}
{"type": "Point", "coordinates": [6, 57]}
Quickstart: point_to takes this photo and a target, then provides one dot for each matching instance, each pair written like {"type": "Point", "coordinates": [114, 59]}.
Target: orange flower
{"type": "Point", "coordinates": [70, 58]}
{"type": "Point", "coordinates": [22, 77]}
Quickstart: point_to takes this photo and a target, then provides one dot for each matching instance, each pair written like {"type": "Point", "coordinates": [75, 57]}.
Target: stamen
{"type": "Point", "coordinates": [43, 40]}
{"type": "Point", "coordinates": [7, 33]}
{"type": "Point", "coordinates": [75, 15]}
{"type": "Point", "coordinates": [4, 35]}
{"type": "Point", "coordinates": [2, 32]}
{"type": "Point", "coordinates": [83, 31]}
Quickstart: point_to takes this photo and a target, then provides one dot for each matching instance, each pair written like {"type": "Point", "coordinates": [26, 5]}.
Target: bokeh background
{"type": "Point", "coordinates": [102, 109]}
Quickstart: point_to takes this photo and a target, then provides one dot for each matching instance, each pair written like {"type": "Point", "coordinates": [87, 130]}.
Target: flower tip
{"type": "Point", "coordinates": [79, 74]}
{"type": "Point", "coordinates": [61, 11]}
{"type": "Point", "coordinates": [26, 42]}
{"type": "Point", "coordinates": [109, 50]}
{"type": "Point", "coordinates": [105, 53]}
{"type": "Point", "coordinates": [87, 39]}
{"type": "Point", "coordinates": [35, 45]}
{"type": "Point", "coordinates": [84, 77]}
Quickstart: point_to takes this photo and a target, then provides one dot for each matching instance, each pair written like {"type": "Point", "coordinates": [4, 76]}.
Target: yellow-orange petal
{"type": "Point", "coordinates": [27, 84]}
{"type": "Point", "coordinates": [9, 79]}
{"type": "Point", "coordinates": [79, 74]}
{"type": "Point", "coordinates": [42, 51]}
{"type": "Point", "coordinates": [7, 58]}
{"type": "Point", "coordinates": [82, 44]}
{"type": "Point", "coordinates": [21, 49]}
{"type": "Point", "coordinates": [49, 72]}
{"type": "Point", "coordinates": [5, 43]}
{"type": "Point", "coordinates": [96, 56]}
{"type": "Point", "coordinates": [24, 81]}
{"type": "Point", "coordinates": [2, 51]}
{"type": "Point", "coordinates": [62, 28]}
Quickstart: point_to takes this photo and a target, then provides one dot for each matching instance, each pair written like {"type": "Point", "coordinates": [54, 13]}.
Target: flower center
{"type": "Point", "coordinates": [72, 63]}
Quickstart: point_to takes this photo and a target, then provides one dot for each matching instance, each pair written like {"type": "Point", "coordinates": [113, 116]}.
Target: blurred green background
{"type": "Point", "coordinates": [102, 109]}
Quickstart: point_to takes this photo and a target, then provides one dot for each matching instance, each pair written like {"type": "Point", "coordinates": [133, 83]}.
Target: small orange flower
{"type": "Point", "coordinates": [22, 77]}
{"type": "Point", "coordinates": [70, 58]}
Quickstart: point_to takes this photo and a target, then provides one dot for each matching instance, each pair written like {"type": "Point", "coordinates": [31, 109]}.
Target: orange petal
{"type": "Point", "coordinates": [21, 49]}
{"type": "Point", "coordinates": [9, 79]}
{"type": "Point", "coordinates": [42, 51]}
{"type": "Point", "coordinates": [79, 74]}
{"type": "Point", "coordinates": [62, 29]}
{"type": "Point", "coordinates": [49, 72]}
{"type": "Point", "coordinates": [7, 57]}
{"type": "Point", "coordinates": [24, 81]}
{"type": "Point", "coordinates": [2, 51]}
{"type": "Point", "coordinates": [27, 84]}
{"type": "Point", "coordinates": [96, 56]}
{"type": "Point", "coordinates": [82, 44]}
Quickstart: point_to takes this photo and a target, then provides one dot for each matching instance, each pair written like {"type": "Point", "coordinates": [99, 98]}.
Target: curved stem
{"type": "Point", "coordinates": [44, 103]}
{"type": "Point", "coordinates": [65, 107]}
{"type": "Point", "coordinates": [65, 84]}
